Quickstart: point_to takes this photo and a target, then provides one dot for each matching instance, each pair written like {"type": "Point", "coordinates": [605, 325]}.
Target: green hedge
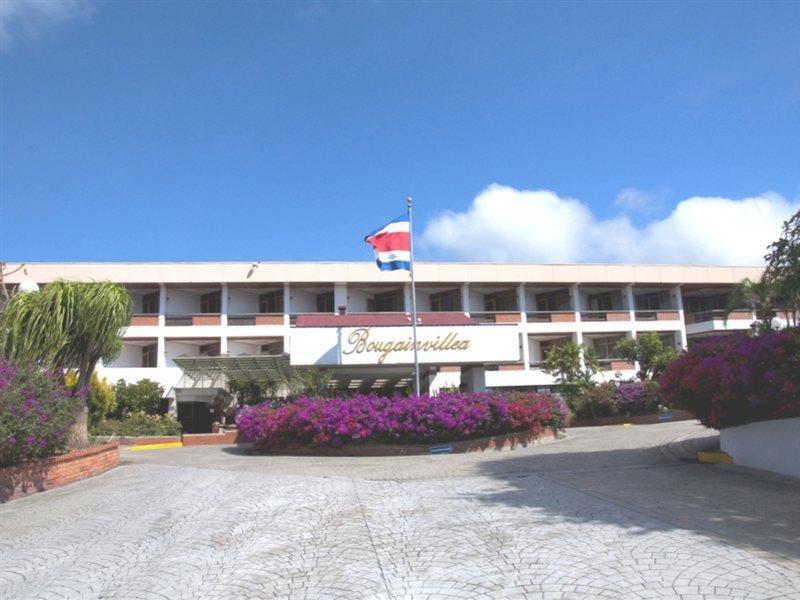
{"type": "Point", "coordinates": [137, 424]}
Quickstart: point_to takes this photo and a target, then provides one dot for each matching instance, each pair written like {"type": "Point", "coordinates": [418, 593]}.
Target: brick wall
{"type": "Point", "coordinates": [46, 473]}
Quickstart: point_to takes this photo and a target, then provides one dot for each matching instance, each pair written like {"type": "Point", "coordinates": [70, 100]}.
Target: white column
{"type": "Point", "coordinates": [576, 306]}
{"type": "Point", "coordinates": [287, 306]}
{"type": "Point", "coordinates": [465, 298]}
{"type": "Point", "coordinates": [339, 296]}
{"type": "Point", "coordinates": [522, 303]}
{"type": "Point", "coordinates": [678, 300]}
{"type": "Point", "coordinates": [161, 354]}
{"type": "Point", "coordinates": [407, 298]}
{"type": "Point", "coordinates": [631, 301]}
{"type": "Point", "coordinates": [526, 350]}
{"type": "Point", "coordinates": [223, 320]}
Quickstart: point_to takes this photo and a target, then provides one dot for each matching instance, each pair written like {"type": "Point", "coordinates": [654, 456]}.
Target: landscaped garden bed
{"type": "Point", "coordinates": [371, 424]}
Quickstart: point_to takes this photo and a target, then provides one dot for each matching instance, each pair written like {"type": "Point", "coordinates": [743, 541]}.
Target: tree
{"type": "Point", "coordinates": [143, 396]}
{"type": "Point", "coordinates": [574, 367]}
{"type": "Point", "coordinates": [67, 325]}
{"type": "Point", "coordinates": [252, 390]}
{"type": "Point", "coordinates": [100, 396]}
{"type": "Point", "coordinates": [758, 296]}
{"type": "Point", "coordinates": [649, 351]}
{"type": "Point", "coordinates": [310, 381]}
{"type": "Point", "coordinates": [5, 293]}
{"type": "Point", "coordinates": [783, 268]}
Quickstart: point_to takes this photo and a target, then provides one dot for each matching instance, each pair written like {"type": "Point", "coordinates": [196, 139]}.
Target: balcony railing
{"type": "Point", "coordinates": [718, 315]}
{"type": "Point", "coordinates": [256, 319]}
{"type": "Point", "coordinates": [496, 317]}
{"type": "Point", "coordinates": [615, 364]}
{"type": "Point", "coordinates": [196, 319]}
{"type": "Point", "coordinates": [143, 319]}
{"type": "Point", "coordinates": [605, 315]}
{"type": "Point", "coordinates": [657, 315]}
{"type": "Point", "coordinates": [552, 316]}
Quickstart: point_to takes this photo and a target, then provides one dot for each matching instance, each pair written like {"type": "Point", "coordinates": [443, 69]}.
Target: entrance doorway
{"type": "Point", "coordinates": [195, 417]}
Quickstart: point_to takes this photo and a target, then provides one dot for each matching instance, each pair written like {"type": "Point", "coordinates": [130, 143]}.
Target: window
{"type": "Point", "coordinates": [325, 302]}
{"type": "Point", "coordinates": [387, 302]}
{"type": "Point", "coordinates": [604, 301]}
{"type": "Point", "coordinates": [211, 349]}
{"type": "Point", "coordinates": [697, 304]}
{"type": "Point", "coordinates": [272, 348]}
{"type": "Point", "coordinates": [501, 301]}
{"type": "Point", "coordinates": [150, 356]}
{"type": "Point", "coordinates": [651, 301]}
{"type": "Point", "coordinates": [271, 302]}
{"type": "Point", "coordinates": [150, 304]}
{"type": "Point", "coordinates": [552, 301]}
{"type": "Point", "coordinates": [449, 300]}
{"type": "Point", "coordinates": [605, 347]}
{"type": "Point", "coordinates": [211, 302]}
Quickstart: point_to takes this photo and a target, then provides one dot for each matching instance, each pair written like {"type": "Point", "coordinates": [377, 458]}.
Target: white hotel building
{"type": "Point", "coordinates": [479, 325]}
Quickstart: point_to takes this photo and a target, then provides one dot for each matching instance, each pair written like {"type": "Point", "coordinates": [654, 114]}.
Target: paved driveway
{"type": "Point", "coordinates": [614, 512]}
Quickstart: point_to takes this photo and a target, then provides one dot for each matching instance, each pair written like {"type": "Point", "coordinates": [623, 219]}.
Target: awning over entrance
{"type": "Point", "coordinates": [214, 371]}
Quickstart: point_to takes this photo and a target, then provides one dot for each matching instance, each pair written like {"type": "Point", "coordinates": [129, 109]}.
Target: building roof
{"type": "Point", "coordinates": [367, 273]}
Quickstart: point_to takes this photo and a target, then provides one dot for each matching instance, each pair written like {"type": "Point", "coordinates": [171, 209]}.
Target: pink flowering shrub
{"type": "Point", "coordinates": [736, 379]}
{"type": "Point", "coordinates": [368, 418]}
{"type": "Point", "coordinates": [37, 413]}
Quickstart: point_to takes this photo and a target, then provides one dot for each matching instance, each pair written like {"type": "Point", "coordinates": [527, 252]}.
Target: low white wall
{"type": "Point", "coordinates": [769, 445]}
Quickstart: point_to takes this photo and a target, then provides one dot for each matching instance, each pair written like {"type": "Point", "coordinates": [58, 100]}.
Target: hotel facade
{"type": "Point", "coordinates": [195, 325]}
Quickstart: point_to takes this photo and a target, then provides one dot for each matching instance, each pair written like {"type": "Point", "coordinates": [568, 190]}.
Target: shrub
{"type": "Point", "coordinates": [142, 396]}
{"type": "Point", "coordinates": [611, 399]}
{"type": "Point", "coordinates": [100, 396]}
{"type": "Point", "coordinates": [136, 424]}
{"type": "Point", "coordinates": [322, 422]}
{"type": "Point", "coordinates": [736, 379]}
{"type": "Point", "coordinates": [37, 413]}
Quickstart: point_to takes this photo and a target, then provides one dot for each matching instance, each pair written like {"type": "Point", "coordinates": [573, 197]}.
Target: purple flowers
{"type": "Point", "coordinates": [35, 411]}
{"type": "Point", "coordinates": [400, 419]}
{"type": "Point", "coordinates": [737, 379]}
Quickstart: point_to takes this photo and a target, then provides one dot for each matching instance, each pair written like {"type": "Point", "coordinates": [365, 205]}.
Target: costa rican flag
{"type": "Point", "coordinates": [392, 244]}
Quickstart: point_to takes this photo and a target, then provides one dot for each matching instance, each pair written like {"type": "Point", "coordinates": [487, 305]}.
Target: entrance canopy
{"type": "Point", "coordinates": [214, 371]}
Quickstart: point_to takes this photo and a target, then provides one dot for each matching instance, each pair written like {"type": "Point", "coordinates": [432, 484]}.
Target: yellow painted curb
{"type": "Point", "coordinates": [156, 446]}
{"type": "Point", "coordinates": [714, 457]}
{"type": "Point", "coordinates": [627, 424]}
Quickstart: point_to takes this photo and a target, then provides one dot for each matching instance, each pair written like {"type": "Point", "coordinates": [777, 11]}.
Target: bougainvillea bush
{"type": "Point", "coordinates": [37, 413]}
{"type": "Point", "coordinates": [736, 379]}
{"type": "Point", "coordinates": [368, 418]}
{"type": "Point", "coordinates": [610, 399]}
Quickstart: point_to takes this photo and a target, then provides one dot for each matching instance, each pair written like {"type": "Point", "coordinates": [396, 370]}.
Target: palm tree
{"type": "Point", "coordinates": [759, 296]}
{"type": "Point", "coordinates": [67, 325]}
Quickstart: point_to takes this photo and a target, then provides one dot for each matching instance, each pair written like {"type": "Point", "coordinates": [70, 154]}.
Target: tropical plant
{"type": "Point", "coordinates": [783, 268]}
{"type": "Point", "coordinates": [310, 381]}
{"type": "Point", "coordinates": [759, 296]}
{"type": "Point", "coordinates": [648, 349]}
{"type": "Point", "coordinates": [251, 390]}
{"type": "Point", "coordinates": [574, 367]}
{"type": "Point", "coordinates": [143, 396]}
{"type": "Point", "coordinates": [67, 325]}
{"type": "Point", "coordinates": [138, 423]}
{"type": "Point", "coordinates": [100, 396]}
{"type": "Point", "coordinates": [37, 412]}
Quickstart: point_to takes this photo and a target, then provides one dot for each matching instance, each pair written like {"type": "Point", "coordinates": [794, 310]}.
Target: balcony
{"type": "Point", "coordinates": [718, 315]}
{"type": "Point", "coordinates": [379, 319]}
{"type": "Point", "coordinates": [143, 320]}
{"type": "Point", "coordinates": [255, 319]}
{"type": "Point", "coordinates": [496, 317]}
{"type": "Point", "coordinates": [189, 320]}
{"type": "Point", "coordinates": [553, 316]}
{"type": "Point", "coordinates": [605, 315]}
{"type": "Point", "coordinates": [657, 315]}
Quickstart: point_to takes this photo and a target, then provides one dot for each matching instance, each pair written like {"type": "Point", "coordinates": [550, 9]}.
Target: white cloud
{"type": "Point", "coordinates": [27, 18]}
{"type": "Point", "coordinates": [506, 224]}
{"type": "Point", "coordinates": [636, 200]}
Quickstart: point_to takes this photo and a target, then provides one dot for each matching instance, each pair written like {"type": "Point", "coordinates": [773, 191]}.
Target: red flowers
{"type": "Point", "coordinates": [736, 379]}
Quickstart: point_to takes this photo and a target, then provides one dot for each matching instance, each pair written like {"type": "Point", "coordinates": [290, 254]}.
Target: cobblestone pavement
{"type": "Point", "coordinates": [613, 512]}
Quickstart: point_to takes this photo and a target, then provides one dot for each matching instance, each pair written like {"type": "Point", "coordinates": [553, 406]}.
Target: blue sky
{"type": "Point", "coordinates": [525, 131]}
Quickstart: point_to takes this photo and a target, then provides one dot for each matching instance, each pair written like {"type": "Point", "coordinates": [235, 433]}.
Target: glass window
{"type": "Point", "coordinates": [211, 302]}
{"type": "Point", "coordinates": [325, 302]}
{"type": "Point", "coordinates": [271, 302]}
{"type": "Point", "coordinates": [211, 349]}
{"type": "Point", "coordinates": [449, 300]}
{"type": "Point", "coordinates": [387, 302]}
{"type": "Point", "coordinates": [150, 356]}
{"type": "Point", "coordinates": [501, 301]}
{"type": "Point", "coordinates": [605, 347]}
{"type": "Point", "coordinates": [150, 304]}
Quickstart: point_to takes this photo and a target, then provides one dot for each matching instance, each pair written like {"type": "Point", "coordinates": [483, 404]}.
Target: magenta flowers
{"type": "Point", "coordinates": [737, 379]}
{"type": "Point", "coordinates": [333, 422]}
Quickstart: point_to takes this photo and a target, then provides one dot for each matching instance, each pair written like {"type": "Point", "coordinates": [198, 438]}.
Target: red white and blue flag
{"type": "Point", "coordinates": [392, 244]}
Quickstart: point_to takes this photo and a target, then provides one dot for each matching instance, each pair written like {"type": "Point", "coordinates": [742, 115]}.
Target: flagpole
{"type": "Point", "coordinates": [413, 295]}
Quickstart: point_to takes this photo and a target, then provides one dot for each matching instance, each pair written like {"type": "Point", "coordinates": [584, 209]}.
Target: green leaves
{"type": "Point", "coordinates": [649, 350]}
